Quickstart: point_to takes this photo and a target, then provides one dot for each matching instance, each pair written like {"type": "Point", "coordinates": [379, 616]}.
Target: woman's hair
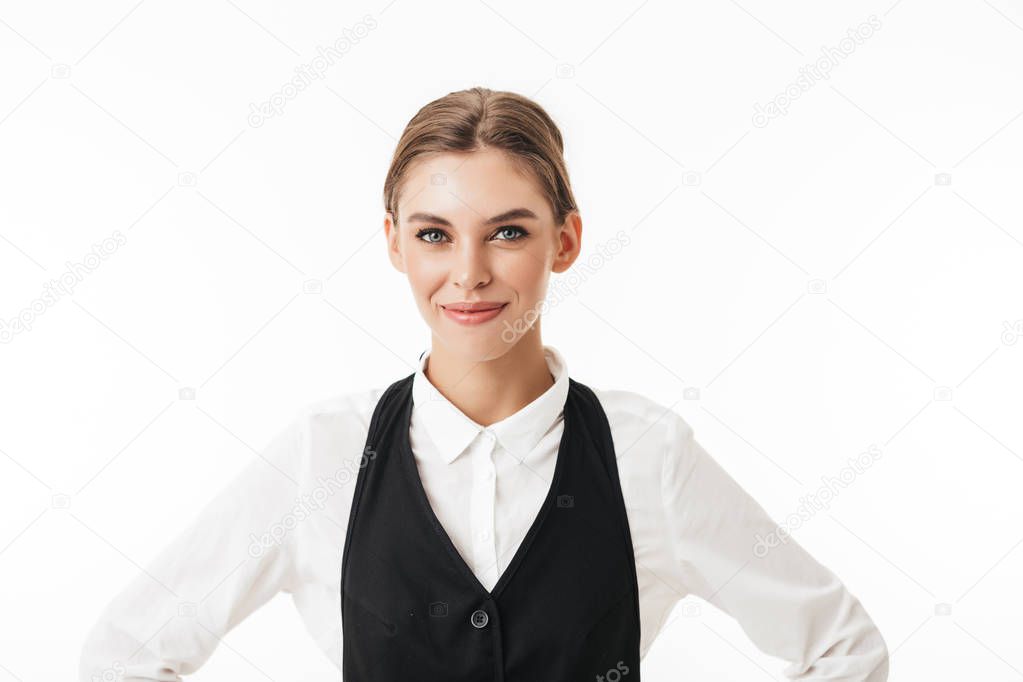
{"type": "Point", "coordinates": [473, 119]}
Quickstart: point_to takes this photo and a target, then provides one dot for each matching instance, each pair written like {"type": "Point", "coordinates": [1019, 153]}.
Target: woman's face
{"type": "Point", "coordinates": [474, 230]}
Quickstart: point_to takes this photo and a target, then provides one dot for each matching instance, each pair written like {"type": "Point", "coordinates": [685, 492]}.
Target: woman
{"type": "Point", "coordinates": [501, 520]}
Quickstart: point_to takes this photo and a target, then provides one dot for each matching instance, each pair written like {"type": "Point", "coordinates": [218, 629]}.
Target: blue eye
{"type": "Point", "coordinates": [517, 231]}
{"type": "Point", "coordinates": [512, 233]}
{"type": "Point", "coordinates": [429, 231]}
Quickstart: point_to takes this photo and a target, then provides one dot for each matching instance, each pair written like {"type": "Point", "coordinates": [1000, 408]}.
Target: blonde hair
{"type": "Point", "coordinates": [470, 120]}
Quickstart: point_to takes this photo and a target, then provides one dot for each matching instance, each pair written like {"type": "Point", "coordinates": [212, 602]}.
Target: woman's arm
{"type": "Point", "coordinates": [789, 605]}
{"type": "Point", "coordinates": [229, 561]}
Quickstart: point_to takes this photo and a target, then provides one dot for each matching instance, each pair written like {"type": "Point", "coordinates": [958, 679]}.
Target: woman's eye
{"type": "Point", "coordinates": [515, 231]}
{"type": "Point", "coordinates": [505, 234]}
{"type": "Point", "coordinates": [426, 234]}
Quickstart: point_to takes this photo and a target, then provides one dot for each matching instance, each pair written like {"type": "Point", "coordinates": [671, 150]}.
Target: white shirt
{"type": "Point", "coordinates": [281, 526]}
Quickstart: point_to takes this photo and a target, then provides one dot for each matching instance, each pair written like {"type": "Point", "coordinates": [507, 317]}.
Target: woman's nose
{"type": "Point", "coordinates": [470, 268]}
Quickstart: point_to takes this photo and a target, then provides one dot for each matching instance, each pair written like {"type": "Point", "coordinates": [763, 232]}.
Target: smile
{"type": "Point", "coordinates": [473, 314]}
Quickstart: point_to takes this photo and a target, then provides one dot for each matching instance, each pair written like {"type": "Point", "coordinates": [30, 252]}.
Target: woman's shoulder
{"type": "Point", "coordinates": [629, 404]}
{"type": "Point", "coordinates": [333, 428]}
{"type": "Point", "coordinates": [633, 416]}
{"type": "Point", "coordinates": [350, 407]}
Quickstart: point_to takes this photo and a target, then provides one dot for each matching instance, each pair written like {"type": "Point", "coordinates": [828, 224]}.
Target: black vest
{"type": "Point", "coordinates": [566, 608]}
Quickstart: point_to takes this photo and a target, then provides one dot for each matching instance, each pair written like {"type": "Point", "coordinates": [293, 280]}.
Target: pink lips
{"type": "Point", "coordinates": [470, 313]}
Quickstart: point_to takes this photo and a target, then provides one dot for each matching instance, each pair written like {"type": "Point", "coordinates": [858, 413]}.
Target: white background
{"type": "Point", "coordinates": [810, 278]}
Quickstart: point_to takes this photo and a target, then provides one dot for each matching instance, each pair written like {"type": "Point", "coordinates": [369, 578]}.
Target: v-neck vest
{"type": "Point", "coordinates": [566, 608]}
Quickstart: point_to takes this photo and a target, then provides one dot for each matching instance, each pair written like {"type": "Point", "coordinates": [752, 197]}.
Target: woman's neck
{"type": "Point", "coordinates": [490, 390]}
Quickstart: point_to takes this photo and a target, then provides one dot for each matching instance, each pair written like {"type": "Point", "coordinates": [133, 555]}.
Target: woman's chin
{"type": "Point", "coordinates": [474, 345]}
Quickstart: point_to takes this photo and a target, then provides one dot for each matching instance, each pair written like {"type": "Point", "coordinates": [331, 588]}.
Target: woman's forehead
{"type": "Point", "coordinates": [469, 187]}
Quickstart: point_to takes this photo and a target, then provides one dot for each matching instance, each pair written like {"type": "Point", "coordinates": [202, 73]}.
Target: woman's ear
{"type": "Point", "coordinates": [393, 242]}
{"type": "Point", "coordinates": [570, 239]}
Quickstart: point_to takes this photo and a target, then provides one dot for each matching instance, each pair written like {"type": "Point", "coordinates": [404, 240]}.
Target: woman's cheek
{"type": "Point", "coordinates": [425, 277]}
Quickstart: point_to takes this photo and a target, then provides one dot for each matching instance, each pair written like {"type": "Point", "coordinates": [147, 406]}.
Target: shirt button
{"type": "Point", "coordinates": [479, 618]}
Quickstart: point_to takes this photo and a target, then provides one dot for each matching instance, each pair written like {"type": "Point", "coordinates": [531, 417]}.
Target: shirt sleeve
{"type": "Point", "coordinates": [233, 557]}
{"type": "Point", "coordinates": [789, 605]}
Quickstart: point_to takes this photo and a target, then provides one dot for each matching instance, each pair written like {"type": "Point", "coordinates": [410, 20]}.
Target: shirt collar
{"type": "Point", "coordinates": [451, 431]}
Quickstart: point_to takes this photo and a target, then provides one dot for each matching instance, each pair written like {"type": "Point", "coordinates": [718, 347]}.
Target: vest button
{"type": "Point", "coordinates": [479, 618]}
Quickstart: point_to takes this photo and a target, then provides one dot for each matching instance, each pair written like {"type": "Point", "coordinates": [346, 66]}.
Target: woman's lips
{"type": "Point", "coordinates": [473, 317]}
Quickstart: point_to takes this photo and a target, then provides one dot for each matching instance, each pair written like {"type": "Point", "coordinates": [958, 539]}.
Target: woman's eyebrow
{"type": "Point", "coordinates": [513, 214]}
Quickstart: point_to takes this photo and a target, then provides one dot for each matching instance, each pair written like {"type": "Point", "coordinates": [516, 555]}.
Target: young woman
{"type": "Point", "coordinates": [486, 517]}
